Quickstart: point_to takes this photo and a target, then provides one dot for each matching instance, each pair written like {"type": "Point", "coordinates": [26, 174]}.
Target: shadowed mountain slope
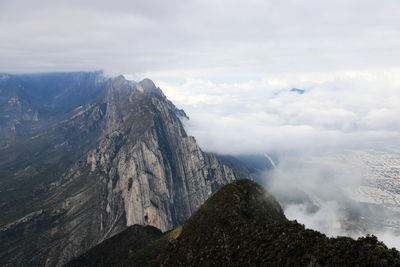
{"type": "Point", "coordinates": [122, 157]}
{"type": "Point", "coordinates": [243, 225]}
{"type": "Point", "coordinates": [113, 250]}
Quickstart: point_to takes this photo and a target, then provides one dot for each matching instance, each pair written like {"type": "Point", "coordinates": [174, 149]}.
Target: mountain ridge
{"type": "Point", "coordinates": [121, 158]}
{"type": "Point", "coordinates": [240, 225]}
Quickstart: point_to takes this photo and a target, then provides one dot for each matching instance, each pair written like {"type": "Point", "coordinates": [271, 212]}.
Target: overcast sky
{"type": "Point", "coordinates": [210, 39]}
{"type": "Point", "coordinates": [230, 64]}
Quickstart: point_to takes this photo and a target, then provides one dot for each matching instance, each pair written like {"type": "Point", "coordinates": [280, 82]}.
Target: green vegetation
{"type": "Point", "coordinates": [138, 245]}
{"type": "Point", "coordinates": [147, 254]}
{"type": "Point", "coordinates": [119, 247]}
{"type": "Point", "coordinates": [240, 225]}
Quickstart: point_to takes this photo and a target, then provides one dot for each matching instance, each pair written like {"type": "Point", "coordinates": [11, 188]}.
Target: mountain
{"type": "Point", "coordinates": [242, 225]}
{"type": "Point", "coordinates": [299, 91]}
{"type": "Point", "coordinates": [119, 247]}
{"type": "Point", "coordinates": [28, 102]}
{"type": "Point", "coordinates": [102, 154]}
{"type": "Point", "coordinates": [249, 165]}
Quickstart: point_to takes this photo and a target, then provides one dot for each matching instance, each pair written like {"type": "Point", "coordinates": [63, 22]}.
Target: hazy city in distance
{"type": "Point", "coordinates": [162, 103]}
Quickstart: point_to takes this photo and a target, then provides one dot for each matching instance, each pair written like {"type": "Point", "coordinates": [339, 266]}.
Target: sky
{"type": "Point", "coordinates": [349, 111]}
{"type": "Point", "coordinates": [219, 40]}
{"type": "Point", "coordinates": [232, 65]}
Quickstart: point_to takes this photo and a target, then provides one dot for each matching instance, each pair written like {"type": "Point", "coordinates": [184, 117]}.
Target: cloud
{"type": "Point", "coordinates": [214, 38]}
{"type": "Point", "coordinates": [382, 118]}
{"type": "Point", "coordinates": [342, 110]}
{"type": "Point", "coordinates": [313, 135]}
{"type": "Point", "coordinates": [316, 191]}
{"type": "Point", "coordinates": [326, 219]}
{"type": "Point", "coordinates": [231, 65]}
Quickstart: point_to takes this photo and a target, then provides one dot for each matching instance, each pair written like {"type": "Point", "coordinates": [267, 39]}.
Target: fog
{"type": "Point", "coordinates": [337, 110]}
{"type": "Point", "coordinates": [316, 191]}
{"type": "Point", "coordinates": [327, 141]}
{"type": "Point", "coordinates": [231, 66]}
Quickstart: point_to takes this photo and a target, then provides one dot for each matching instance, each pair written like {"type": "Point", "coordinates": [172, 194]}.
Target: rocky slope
{"type": "Point", "coordinates": [28, 102]}
{"type": "Point", "coordinates": [242, 225]}
{"type": "Point", "coordinates": [121, 158]}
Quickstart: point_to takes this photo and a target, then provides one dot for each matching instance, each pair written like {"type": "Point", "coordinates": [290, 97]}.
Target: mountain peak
{"type": "Point", "coordinates": [240, 225]}
{"type": "Point", "coordinates": [147, 83]}
{"type": "Point", "coordinates": [120, 80]}
{"type": "Point", "coordinates": [297, 90]}
{"type": "Point", "coordinates": [148, 86]}
{"type": "Point", "coordinates": [243, 225]}
{"type": "Point", "coordinates": [243, 199]}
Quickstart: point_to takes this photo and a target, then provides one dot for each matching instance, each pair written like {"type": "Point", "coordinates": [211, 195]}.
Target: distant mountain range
{"type": "Point", "coordinates": [32, 102]}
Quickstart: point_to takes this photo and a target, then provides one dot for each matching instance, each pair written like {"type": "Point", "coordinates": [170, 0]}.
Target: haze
{"type": "Point", "coordinates": [232, 65]}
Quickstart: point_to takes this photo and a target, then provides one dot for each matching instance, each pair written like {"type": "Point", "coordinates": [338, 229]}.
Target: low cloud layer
{"type": "Point", "coordinates": [348, 110]}
{"type": "Point", "coordinates": [316, 190]}
{"type": "Point", "coordinates": [231, 66]}
{"type": "Point", "coordinates": [313, 134]}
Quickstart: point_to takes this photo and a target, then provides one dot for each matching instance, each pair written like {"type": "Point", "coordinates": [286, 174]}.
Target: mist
{"type": "Point", "coordinates": [232, 65]}
{"type": "Point", "coordinates": [336, 111]}
{"type": "Point", "coordinates": [335, 137]}
{"type": "Point", "coordinates": [317, 191]}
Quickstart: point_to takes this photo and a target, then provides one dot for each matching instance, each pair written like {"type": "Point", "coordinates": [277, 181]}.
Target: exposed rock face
{"type": "Point", "coordinates": [122, 159]}
{"type": "Point", "coordinates": [240, 225]}
{"type": "Point", "coordinates": [160, 173]}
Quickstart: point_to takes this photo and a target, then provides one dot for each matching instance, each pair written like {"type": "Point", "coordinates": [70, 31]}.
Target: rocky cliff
{"type": "Point", "coordinates": [240, 225]}
{"type": "Point", "coordinates": [120, 159]}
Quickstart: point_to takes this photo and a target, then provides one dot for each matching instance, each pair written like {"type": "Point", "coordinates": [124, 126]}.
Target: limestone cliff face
{"type": "Point", "coordinates": [160, 173]}
{"type": "Point", "coordinates": [136, 165]}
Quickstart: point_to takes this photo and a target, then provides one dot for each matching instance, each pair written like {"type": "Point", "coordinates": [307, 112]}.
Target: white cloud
{"type": "Point", "coordinates": [336, 110]}
{"type": "Point", "coordinates": [382, 118]}
{"type": "Point", "coordinates": [311, 134]}
{"type": "Point", "coordinates": [316, 188]}
{"type": "Point", "coordinates": [227, 39]}
{"type": "Point", "coordinates": [326, 219]}
{"type": "Point", "coordinates": [230, 65]}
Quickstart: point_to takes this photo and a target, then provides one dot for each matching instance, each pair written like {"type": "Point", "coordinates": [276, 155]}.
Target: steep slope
{"type": "Point", "coordinates": [136, 246]}
{"type": "Point", "coordinates": [123, 158]}
{"type": "Point", "coordinates": [113, 250]}
{"type": "Point", "coordinates": [29, 102]}
{"type": "Point", "coordinates": [252, 165]}
{"type": "Point", "coordinates": [240, 225]}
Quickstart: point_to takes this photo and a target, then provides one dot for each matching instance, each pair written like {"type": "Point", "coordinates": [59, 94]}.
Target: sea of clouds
{"type": "Point", "coordinates": [336, 110]}
{"type": "Point", "coordinates": [307, 131]}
